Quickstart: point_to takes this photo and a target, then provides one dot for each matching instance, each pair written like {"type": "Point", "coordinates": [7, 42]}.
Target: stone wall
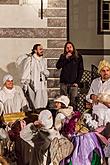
{"type": "Point", "coordinates": [56, 20]}
{"type": "Point", "coordinates": [21, 27]}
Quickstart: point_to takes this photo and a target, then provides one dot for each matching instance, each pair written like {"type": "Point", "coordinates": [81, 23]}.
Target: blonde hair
{"type": "Point", "coordinates": [103, 64]}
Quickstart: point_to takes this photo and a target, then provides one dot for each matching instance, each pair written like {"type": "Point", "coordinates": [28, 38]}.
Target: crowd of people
{"type": "Point", "coordinates": [61, 135]}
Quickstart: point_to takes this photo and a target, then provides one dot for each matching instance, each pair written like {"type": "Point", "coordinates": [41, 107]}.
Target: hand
{"type": "Point", "coordinates": [45, 72]}
{"type": "Point", "coordinates": [75, 85]}
{"type": "Point", "coordinates": [95, 99]}
{"type": "Point", "coordinates": [38, 124]}
{"type": "Point", "coordinates": [25, 87]}
{"type": "Point", "coordinates": [68, 55]}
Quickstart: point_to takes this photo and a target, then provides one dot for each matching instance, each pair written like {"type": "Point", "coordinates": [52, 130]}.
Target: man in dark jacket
{"type": "Point", "coordinates": [71, 65]}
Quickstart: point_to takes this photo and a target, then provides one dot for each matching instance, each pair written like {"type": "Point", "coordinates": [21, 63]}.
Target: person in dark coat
{"type": "Point", "coordinates": [71, 65]}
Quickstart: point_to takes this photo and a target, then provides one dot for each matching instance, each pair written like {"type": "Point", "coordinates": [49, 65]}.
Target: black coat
{"type": "Point", "coordinates": [71, 69]}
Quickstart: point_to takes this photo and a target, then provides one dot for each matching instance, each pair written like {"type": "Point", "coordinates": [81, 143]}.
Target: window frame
{"type": "Point", "coordinates": [99, 21]}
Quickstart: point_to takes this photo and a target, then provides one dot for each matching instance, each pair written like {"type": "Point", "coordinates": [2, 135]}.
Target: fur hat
{"type": "Point", "coordinates": [7, 77]}
{"type": "Point", "coordinates": [103, 64]}
{"type": "Point", "coordinates": [46, 118]}
{"type": "Point", "coordinates": [63, 99]}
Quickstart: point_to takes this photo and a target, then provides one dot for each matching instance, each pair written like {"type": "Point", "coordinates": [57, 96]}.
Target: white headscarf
{"type": "Point", "coordinates": [7, 77]}
{"type": "Point", "coordinates": [46, 118]}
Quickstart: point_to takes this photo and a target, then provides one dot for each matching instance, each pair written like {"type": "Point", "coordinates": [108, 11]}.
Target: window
{"type": "Point", "coordinates": [104, 16]}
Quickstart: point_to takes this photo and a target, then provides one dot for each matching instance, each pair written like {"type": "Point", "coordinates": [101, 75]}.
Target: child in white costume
{"type": "Point", "coordinates": [63, 110]}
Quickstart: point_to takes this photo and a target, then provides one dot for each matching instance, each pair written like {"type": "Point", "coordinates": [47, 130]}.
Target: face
{"type": "Point", "coordinates": [23, 124]}
{"type": "Point", "coordinates": [39, 51]}
{"type": "Point", "coordinates": [105, 73]}
{"type": "Point", "coordinates": [57, 105]}
{"type": "Point", "coordinates": [9, 84]}
{"type": "Point", "coordinates": [69, 48]}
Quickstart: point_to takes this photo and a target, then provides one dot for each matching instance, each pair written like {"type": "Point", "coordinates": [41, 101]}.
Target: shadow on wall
{"type": "Point", "coordinates": [11, 69]}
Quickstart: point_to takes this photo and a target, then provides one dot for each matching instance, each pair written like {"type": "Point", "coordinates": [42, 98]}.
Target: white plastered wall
{"type": "Point", "coordinates": [24, 15]}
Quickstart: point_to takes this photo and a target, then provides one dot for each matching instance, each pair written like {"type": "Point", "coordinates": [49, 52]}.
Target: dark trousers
{"type": "Point", "coordinates": [71, 92]}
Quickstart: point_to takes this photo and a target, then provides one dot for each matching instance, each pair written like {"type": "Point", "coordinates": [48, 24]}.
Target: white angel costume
{"type": "Point", "coordinates": [34, 79]}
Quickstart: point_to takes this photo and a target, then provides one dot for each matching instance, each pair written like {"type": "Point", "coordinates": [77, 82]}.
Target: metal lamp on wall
{"type": "Point", "coordinates": [41, 9]}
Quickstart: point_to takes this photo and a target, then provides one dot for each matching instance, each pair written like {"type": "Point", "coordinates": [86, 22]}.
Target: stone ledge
{"type": "Point", "coordinates": [53, 13]}
{"type": "Point", "coordinates": [57, 3]}
{"type": "Point", "coordinates": [56, 22]}
{"type": "Point", "coordinates": [54, 73]}
{"type": "Point", "coordinates": [9, 2]}
{"type": "Point", "coordinates": [52, 53]}
{"type": "Point", "coordinates": [56, 43]}
{"type": "Point", "coordinates": [53, 93]}
{"type": "Point", "coordinates": [32, 32]}
{"type": "Point", "coordinates": [53, 83]}
{"type": "Point", "coordinates": [51, 63]}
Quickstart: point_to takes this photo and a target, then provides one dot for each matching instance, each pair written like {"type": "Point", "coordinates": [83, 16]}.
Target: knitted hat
{"type": "Point", "coordinates": [46, 118]}
{"type": "Point", "coordinates": [103, 64]}
{"type": "Point", "coordinates": [63, 99]}
{"type": "Point", "coordinates": [7, 77]}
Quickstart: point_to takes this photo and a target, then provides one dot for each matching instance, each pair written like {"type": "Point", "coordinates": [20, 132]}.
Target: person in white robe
{"type": "Point", "coordinates": [34, 77]}
{"type": "Point", "coordinates": [12, 98]}
{"type": "Point", "coordinates": [99, 93]}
